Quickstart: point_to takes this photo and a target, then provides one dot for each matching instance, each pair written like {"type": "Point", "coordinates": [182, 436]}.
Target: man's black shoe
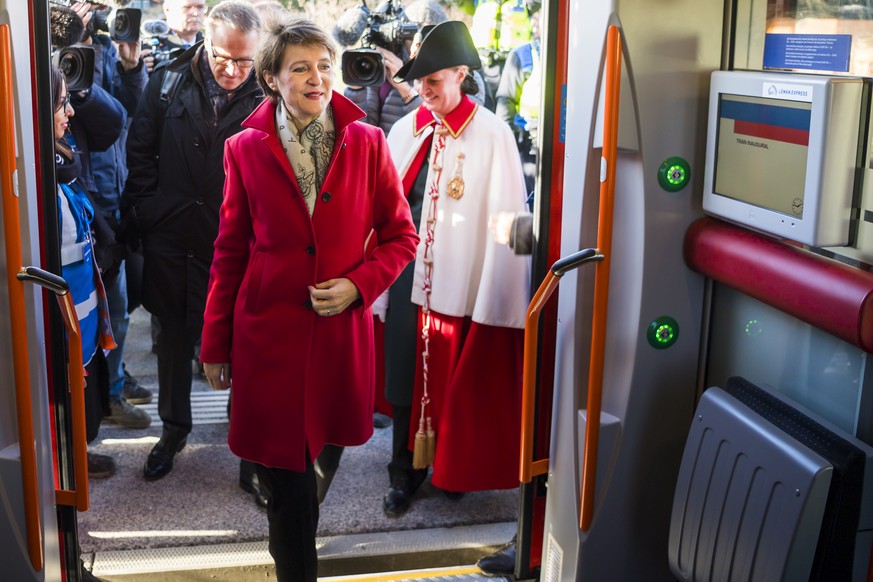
{"type": "Point", "coordinates": [396, 502]}
{"type": "Point", "coordinates": [253, 487]}
{"type": "Point", "coordinates": [501, 562]}
{"type": "Point", "coordinates": [453, 495]}
{"type": "Point", "coordinates": [381, 420]}
{"type": "Point", "coordinates": [160, 460]}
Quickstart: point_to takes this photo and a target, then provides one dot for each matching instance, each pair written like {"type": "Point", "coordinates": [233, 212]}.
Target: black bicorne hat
{"type": "Point", "coordinates": [448, 45]}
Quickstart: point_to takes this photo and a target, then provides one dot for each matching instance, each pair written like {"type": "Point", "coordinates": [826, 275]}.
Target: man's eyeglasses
{"type": "Point", "coordinates": [221, 61]}
{"type": "Point", "coordinates": [63, 106]}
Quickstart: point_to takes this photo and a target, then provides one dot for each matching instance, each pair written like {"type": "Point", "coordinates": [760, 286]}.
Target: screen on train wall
{"type": "Point", "coordinates": [755, 136]}
{"type": "Point", "coordinates": [782, 153]}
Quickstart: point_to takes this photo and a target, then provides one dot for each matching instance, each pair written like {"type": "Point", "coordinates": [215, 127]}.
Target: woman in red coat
{"type": "Point", "coordinates": [288, 320]}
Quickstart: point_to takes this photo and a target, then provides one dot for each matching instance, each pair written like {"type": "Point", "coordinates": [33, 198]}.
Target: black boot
{"type": "Point", "coordinates": [249, 482]}
{"type": "Point", "coordinates": [160, 460]}
{"type": "Point", "coordinates": [501, 562]}
{"type": "Point", "coordinates": [325, 465]}
{"type": "Point", "coordinates": [404, 484]}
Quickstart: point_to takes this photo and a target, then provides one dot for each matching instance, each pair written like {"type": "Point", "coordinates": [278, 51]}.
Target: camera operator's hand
{"type": "Point", "coordinates": [148, 60]}
{"type": "Point", "coordinates": [129, 54]}
{"type": "Point", "coordinates": [83, 9]}
{"type": "Point", "coordinates": [392, 65]}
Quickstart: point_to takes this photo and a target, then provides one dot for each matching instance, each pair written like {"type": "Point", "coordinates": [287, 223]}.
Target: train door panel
{"type": "Point", "coordinates": [646, 390]}
{"type": "Point", "coordinates": [55, 551]}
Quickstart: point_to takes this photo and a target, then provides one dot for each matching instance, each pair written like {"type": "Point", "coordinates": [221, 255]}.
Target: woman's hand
{"type": "Point", "coordinates": [333, 296]}
{"type": "Point", "coordinates": [218, 375]}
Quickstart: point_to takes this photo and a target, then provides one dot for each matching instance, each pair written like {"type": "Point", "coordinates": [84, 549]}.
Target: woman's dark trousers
{"type": "Point", "coordinates": [293, 520]}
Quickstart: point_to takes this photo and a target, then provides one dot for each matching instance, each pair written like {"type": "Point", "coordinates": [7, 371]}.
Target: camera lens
{"type": "Point", "coordinates": [122, 24]}
{"type": "Point", "coordinates": [77, 65]}
{"type": "Point", "coordinates": [72, 65]}
{"type": "Point", "coordinates": [363, 67]}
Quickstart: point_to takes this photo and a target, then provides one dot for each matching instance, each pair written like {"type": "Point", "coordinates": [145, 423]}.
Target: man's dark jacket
{"type": "Point", "coordinates": [175, 156]}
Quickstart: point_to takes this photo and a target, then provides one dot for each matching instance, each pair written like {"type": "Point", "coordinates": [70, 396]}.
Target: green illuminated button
{"type": "Point", "coordinates": [663, 332]}
{"type": "Point", "coordinates": [674, 174]}
{"type": "Point", "coordinates": [754, 328]}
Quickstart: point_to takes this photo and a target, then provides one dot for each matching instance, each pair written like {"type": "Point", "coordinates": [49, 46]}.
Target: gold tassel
{"type": "Point", "coordinates": [419, 451]}
{"type": "Point", "coordinates": [431, 443]}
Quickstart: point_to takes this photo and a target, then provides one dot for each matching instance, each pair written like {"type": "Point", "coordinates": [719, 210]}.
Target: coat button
{"type": "Point", "coordinates": [308, 304]}
{"type": "Point", "coordinates": [200, 201]}
{"type": "Point", "coordinates": [310, 250]}
{"type": "Point", "coordinates": [326, 197]}
{"type": "Point", "coordinates": [196, 142]}
{"type": "Point", "coordinates": [190, 254]}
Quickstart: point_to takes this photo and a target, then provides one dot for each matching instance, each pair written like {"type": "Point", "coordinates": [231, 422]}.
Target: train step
{"type": "Point", "coordinates": [424, 554]}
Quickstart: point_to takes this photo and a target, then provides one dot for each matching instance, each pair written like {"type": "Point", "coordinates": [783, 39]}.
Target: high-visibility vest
{"type": "Point", "coordinates": [513, 29]}
{"type": "Point", "coordinates": [79, 269]}
{"type": "Point", "coordinates": [531, 92]}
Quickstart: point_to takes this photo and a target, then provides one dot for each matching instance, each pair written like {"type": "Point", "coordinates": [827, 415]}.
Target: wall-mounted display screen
{"type": "Point", "coordinates": [781, 153]}
{"type": "Point", "coordinates": [756, 134]}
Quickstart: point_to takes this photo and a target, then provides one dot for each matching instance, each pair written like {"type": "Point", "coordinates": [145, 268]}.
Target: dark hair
{"type": "Point", "coordinates": [279, 36]}
{"type": "Point", "coordinates": [58, 84]}
{"type": "Point", "coordinates": [469, 86]}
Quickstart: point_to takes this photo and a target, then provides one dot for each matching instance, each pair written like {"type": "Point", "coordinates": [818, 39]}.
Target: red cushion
{"type": "Point", "coordinates": [825, 293]}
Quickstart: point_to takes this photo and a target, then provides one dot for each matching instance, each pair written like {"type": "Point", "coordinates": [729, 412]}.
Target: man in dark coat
{"type": "Point", "coordinates": [175, 154]}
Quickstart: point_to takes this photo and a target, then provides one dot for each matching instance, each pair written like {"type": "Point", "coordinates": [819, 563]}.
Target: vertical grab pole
{"type": "Point", "coordinates": [601, 276]}
{"type": "Point", "coordinates": [12, 234]}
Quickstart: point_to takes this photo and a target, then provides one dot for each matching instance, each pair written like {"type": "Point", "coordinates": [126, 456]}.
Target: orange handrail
{"type": "Point", "coordinates": [528, 467]}
{"type": "Point", "coordinates": [17, 311]}
{"type": "Point", "coordinates": [601, 277]}
{"type": "Point", "coordinates": [80, 496]}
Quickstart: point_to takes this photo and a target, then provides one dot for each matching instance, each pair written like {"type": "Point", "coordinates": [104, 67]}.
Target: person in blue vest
{"type": "Point", "coordinates": [498, 27]}
{"type": "Point", "coordinates": [518, 98]}
{"type": "Point", "coordinates": [100, 132]}
{"type": "Point", "coordinates": [79, 269]}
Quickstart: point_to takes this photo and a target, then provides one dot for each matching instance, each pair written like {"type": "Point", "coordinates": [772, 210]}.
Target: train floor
{"type": "Point", "coordinates": [197, 524]}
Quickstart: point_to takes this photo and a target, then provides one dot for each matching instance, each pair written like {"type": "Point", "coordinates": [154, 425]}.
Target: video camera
{"type": "Point", "coordinates": [388, 29]}
{"type": "Point", "coordinates": [156, 39]}
{"type": "Point", "coordinates": [121, 24]}
{"type": "Point", "coordinates": [77, 65]}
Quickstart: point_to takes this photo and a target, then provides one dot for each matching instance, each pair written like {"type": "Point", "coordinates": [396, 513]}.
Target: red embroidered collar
{"type": "Point", "coordinates": [458, 119]}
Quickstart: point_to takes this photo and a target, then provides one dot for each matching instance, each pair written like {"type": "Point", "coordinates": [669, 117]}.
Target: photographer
{"type": "Point", "coordinates": [184, 20]}
{"type": "Point", "coordinates": [386, 103]}
{"type": "Point", "coordinates": [100, 133]}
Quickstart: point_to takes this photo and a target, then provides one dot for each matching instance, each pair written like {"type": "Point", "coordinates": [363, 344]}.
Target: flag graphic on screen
{"type": "Point", "coordinates": [773, 122]}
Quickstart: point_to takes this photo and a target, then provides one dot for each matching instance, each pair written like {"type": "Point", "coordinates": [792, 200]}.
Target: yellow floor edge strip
{"type": "Point", "coordinates": [410, 575]}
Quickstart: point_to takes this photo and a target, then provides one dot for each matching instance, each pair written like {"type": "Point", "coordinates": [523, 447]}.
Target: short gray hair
{"type": "Point", "coordinates": [237, 14]}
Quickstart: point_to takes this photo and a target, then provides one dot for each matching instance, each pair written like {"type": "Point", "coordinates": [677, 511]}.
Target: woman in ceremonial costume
{"type": "Point", "coordinates": [473, 291]}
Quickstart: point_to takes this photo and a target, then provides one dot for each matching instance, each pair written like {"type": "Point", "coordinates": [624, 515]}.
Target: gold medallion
{"type": "Point", "coordinates": [456, 184]}
{"type": "Point", "coordinates": [456, 188]}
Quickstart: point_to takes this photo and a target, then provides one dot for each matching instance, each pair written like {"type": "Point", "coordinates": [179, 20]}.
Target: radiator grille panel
{"type": "Point", "coordinates": [744, 490]}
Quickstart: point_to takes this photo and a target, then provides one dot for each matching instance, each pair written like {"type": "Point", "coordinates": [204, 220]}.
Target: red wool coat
{"type": "Point", "coordinates": [300, 379]}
